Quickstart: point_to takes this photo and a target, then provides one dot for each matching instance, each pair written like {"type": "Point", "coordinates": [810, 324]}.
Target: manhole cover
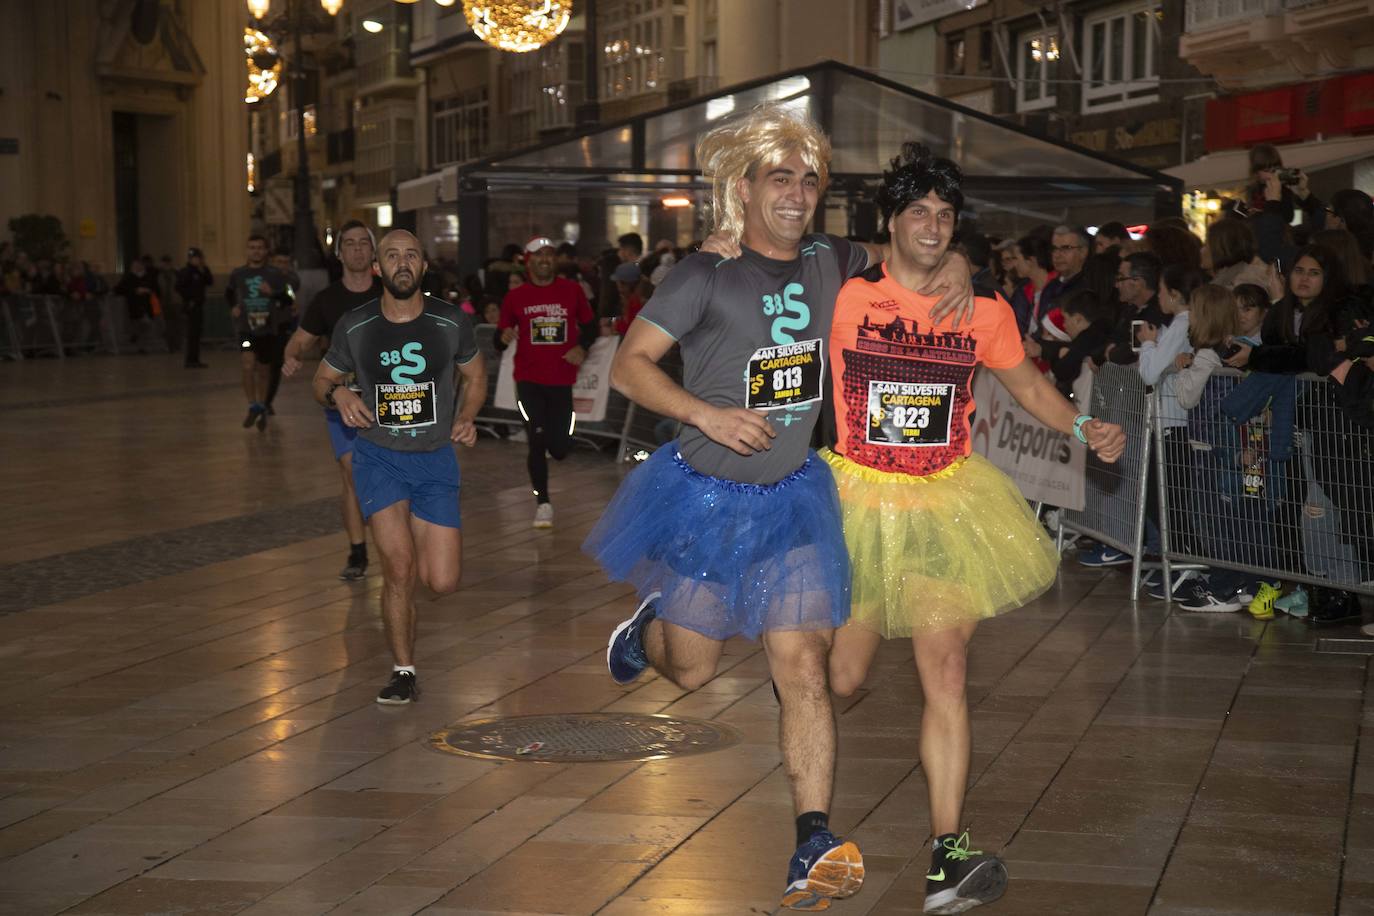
{"type": "Point", "coordinates": [583, 737]}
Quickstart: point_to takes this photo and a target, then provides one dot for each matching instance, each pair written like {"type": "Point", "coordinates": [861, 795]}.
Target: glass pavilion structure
{"type": "Point", "coordinates": [641, 173]}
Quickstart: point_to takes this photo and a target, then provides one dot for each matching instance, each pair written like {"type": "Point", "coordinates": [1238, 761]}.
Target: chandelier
{"type": "Point", "coordinates": [517, 25]}
{"type": "Point", "coordinates": [264, 66]}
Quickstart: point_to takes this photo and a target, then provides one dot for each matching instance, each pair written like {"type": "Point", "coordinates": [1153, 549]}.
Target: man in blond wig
{"type": "Point", "coordinates": [734, 529]}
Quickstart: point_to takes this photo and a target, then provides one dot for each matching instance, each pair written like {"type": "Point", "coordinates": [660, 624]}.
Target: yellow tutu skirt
{"type": "Point", "coordinates": [928, 553]}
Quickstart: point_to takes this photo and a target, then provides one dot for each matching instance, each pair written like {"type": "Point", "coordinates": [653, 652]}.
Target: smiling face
{"type": "Point", "coordinates": [542, 265]}
{"type": "Point", "coordinates": [921, 231]}
{"type": "Point", "coordinates": [401, 263]}
{"type": "Point", "coordinates": [1307, 280]}
{"type": "Point", "coordinates": [779, 202]}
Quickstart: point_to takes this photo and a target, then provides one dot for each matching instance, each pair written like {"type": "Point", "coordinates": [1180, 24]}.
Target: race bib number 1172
{"type": "Point", "coordinates": [785, 375]}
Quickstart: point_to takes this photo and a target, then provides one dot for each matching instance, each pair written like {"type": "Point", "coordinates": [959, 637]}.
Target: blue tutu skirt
{"type": "Point", "coordinates": [728, 558]}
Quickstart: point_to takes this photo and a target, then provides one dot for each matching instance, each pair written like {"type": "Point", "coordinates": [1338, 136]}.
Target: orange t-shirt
{"type": "Point", "coordinates": [902, 384]}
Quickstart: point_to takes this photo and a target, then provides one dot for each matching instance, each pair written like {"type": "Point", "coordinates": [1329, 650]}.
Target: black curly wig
{"type": "Point", "coordinates": [914, 173]}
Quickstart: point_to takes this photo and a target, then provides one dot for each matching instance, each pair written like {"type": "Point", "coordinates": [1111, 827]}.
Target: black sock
{"type": "Point", "coordinates": [810, 824]}
{"type": "Point", "coordinates": [358, 551]}
{"type": "Point", "coordinates": [937, 847]}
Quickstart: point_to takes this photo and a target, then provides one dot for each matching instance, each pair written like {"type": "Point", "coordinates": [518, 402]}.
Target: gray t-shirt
{"type": "Point", "coordinates": [405, 370]}
{"type": "Point", "coordinates": [261, 296]}
{"type": "Point", "coordinates": [753, 333]}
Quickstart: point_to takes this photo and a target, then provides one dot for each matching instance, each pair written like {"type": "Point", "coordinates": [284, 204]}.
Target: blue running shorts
{"type": "Point", "coordinates": [429, 480]}
{"type": "Point", "coordinates": [340, 436]}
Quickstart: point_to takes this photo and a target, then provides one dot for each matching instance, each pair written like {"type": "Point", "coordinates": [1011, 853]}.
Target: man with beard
{"type": "Point", "coordinates": [403, 348]}
{"type": "Point", "coordinates": [356, 288]}
{"type": "Point", "coordinates": [553, 327]}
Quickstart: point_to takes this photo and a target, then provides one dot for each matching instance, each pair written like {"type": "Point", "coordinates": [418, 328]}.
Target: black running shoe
{"type": "Point", "coordinates": [262, 419]}
{"type": "Point", "coordinates": [355, 571]}
{"type": "Point", "coordinates": [252, 417]}
{"type": "Point", "coordinates": [402, 689]}
{"type": "Point", "coordinates": [961, 878]}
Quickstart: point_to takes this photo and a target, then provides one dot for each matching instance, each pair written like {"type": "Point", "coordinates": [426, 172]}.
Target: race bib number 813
{"type": "Point", "coordinates": [785, 375]}
{"type": "Point", "coordinates": [909, 413]}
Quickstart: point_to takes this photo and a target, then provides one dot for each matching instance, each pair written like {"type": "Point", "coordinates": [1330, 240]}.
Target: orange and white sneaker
{"type": "Point", "coordinates": [822, 869]}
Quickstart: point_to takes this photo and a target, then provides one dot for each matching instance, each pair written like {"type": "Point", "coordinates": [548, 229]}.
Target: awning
{"type": "Point", "coordinates": [1232, 167]}
{"type": "Point", "coordinates": [428, 190]}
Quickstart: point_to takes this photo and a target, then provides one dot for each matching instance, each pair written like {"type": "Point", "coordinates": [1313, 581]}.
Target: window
{"type": "Point", "coordinates": [1035, 51]}
{"type": "Point", "coordinates": [644, 46]}
{"type": "Point", "coordinates": [459, 127]}
{"type": "Point", "coordinates": [954, 55]}
{"type": "Point", "coordinates": [1120, 57]}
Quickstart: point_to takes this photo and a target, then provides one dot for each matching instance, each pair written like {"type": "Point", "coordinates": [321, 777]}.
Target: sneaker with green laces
{"type": "Point", "coordinates": [961, 878]}
{"type": "Point", "coordinates": [1294, 604]}
{"type": "Point", "coordinates": [1262, 605]}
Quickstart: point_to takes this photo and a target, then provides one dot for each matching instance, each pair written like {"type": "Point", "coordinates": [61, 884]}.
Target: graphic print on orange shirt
{"type": "Point", "coordinates": [902, 384]}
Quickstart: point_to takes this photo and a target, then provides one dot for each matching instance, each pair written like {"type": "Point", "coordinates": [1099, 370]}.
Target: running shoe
{"type": "Point", "coordinates": [625, 657]}
{"type": "Point", "coordinates": [1294, 604]}
{"type": "Point", "coordinates": [823, 868]}
{"type": "Point", "coordinates": [543, 516]}
{"type": "Point", "coordinates": [1183, 585]}
{"type": "Point", "coordinates": [1329, 606]}
{"type": "Point", "coordinates": [961, 878]}
{"type": "Point", "coordinates": [262, 419]}
{"type": "Point", "coordinates": [1103, 555]}
{"type": "Point", "coordinates": [1262, 605]}
{"type": "Point", "coordinates": [402, 689]}
{"type": "Point", "coordinates": [253, 411]}
{"type": "Point", "coordinates": [355, 571]}
{"type": "Point", "coordinates": [1204, 601]}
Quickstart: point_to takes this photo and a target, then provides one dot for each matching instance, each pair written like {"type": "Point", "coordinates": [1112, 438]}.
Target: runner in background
{"type": "Point", "coordinates": [553, 327]}
{"type": "Point", "coordinates": [357, 287]}
{"type": "Point", "coordinates": [261, 311]}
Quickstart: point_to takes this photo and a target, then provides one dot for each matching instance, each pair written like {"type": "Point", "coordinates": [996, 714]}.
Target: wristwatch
{"type": "Point", "coordinates": [329, 393]}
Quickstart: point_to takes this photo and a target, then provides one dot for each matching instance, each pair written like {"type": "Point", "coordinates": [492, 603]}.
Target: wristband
{"type": "Point", "coordinates": [329, 393]}
{"type": "Point", "coordinates": [1079, 422]}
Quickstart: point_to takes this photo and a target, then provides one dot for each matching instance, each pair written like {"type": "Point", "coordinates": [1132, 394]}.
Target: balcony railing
{"type": "Point", "coordinates": [1207, 14]}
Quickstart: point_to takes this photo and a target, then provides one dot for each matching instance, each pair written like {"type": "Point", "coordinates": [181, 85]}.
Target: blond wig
{"type": "Point", "coordinates": [764, 137]}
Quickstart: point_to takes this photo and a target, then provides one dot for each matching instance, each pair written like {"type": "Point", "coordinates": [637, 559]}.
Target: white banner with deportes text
{"type": "Point", "coordinates": [1046, 466]}
{"type": "Point", "coordinates": [590, 392]}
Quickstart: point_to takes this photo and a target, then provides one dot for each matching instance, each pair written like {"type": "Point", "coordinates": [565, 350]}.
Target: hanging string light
{"type": "Point", "coordinates": [517, 25]}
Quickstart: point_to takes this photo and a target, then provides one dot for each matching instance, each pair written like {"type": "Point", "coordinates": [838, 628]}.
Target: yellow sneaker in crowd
{"type": "Point", "coordinates": [1262, 605]}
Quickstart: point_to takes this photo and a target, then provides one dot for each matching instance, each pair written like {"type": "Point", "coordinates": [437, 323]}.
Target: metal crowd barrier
{"type": "Point", "coordinates": [629, 427]}
{"type": "Point", "coordinates": [55, 326]}
{"type": "Point", "coordinates": [1268, 478]}
{"type": "Point", "coordinates": [1115, 494]}
{"type": "Point", "coordinates": [1276, 483]}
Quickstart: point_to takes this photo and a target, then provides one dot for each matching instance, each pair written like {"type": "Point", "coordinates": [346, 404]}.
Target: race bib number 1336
{"type": "Point", "coordinates": [785, 375]}
{"type": "Point", "coordinates": [405, 406]}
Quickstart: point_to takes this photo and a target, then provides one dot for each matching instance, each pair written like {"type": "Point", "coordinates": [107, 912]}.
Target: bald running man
{"type": "Point", "coordinates": [403, 349]}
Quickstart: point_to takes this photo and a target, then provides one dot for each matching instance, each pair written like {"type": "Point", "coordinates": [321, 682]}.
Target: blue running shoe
{"type": "Point", "coordinates": [821, 869]}
{"type": "Point", "coordinates": [625, 656]}
{"type": "Point", "coordinates": [1104, 556]}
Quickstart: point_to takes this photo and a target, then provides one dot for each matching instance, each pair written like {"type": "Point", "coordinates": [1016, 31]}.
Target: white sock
{"type": "Point", "coordinates": [408, 669]}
